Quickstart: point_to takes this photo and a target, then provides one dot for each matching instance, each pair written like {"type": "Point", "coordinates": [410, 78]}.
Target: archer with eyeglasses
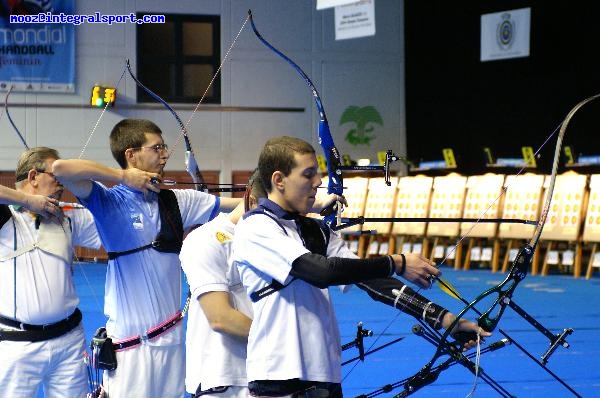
{"type": "Point", "coordinates": [38, 301]}
{"type": "Point", "coordinates": [141, 227]}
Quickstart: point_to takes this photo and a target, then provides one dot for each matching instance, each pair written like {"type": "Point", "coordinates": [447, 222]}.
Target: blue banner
{"type": "Point", "coordinates": [36, 56]}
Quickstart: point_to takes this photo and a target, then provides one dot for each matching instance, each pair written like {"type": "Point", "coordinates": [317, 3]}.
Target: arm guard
{"type": "Point", "coordinates": [392, 292]}
{"type": "Point", "coordinates": [322, 272]}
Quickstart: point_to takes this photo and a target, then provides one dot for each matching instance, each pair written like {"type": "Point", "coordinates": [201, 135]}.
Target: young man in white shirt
{"type": "Point", "coordinates": [220, 311]}
{"type": "Point", "coordinates": [286, 262]}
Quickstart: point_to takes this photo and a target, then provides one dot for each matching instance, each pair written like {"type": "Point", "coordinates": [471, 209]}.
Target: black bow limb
{"type": "Point", "coordinates": [503, 293]}
{"type": "Point", "coordinates": [428, 375]}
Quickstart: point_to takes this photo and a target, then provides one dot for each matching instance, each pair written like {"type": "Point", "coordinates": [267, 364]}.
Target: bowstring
{"type": "Point", "coordinates": [185, 126]}
{"type": "Point", "coordinates": [85, 145]}
{"type": "Point", "coordinates": [477, 361]}
{"type": "Point", "coordinates": [96, 124]}
{"type": "Point", "coordinates": [94, 375]}
{"type": "Point", "coordinates": [543, 216]}
{"type": "Point", "coordinates": [184, 129]}
{"type": "Point", "coordinates": [83, 149]}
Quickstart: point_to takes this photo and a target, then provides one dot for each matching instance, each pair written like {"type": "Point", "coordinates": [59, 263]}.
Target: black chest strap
{"type": "Point", "coordinates": [315, 237]}
{"type": "Point", "coordinates": [170, 236]}
{"type": "Point", "coordinates": [5, 215]}
{"type": "Point", "coordinates": [314, 233]}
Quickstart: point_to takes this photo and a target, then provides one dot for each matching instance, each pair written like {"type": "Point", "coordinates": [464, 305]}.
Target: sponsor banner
{"type": "Point", "coordinates": [37, 57]}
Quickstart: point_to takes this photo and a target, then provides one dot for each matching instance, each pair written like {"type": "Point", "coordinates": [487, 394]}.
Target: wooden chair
{"type": "Point", "coordinates": [591, 227]}
{"type": "Point", "coordinates": [379, 203]}
{"type": "Point", "coordinates": [522, 200]}
{"type": "Point", "coordinates": [564, 221]}
{"type": "Point", "coordinates": [412, 201]}
{"type": "Point", "coordinates": [447, 201]}
{"type": "Point", "coordinates": [355, 193]}
{"type": "Point", "coordinates": [483, 199]}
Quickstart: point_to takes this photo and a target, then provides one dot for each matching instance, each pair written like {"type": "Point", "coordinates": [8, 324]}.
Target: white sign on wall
{"type": "Point", "coordinates": [322, 4]}
{"type": "Point", "coordinates": [505, 34]}
{"type": "Point", "coordinates": [355, 20]}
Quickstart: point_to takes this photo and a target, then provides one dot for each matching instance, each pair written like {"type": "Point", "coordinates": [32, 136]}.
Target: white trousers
{"type": "Point", "coordinates": [147, 371]}
{"type": "Point", "coordinates": [55, 365]}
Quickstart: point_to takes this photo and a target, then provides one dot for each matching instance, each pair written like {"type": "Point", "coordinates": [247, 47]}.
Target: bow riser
{"type": "Point", "coordinates": [517, 273]}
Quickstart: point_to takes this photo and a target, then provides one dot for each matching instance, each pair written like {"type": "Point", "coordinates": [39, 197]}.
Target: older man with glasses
{"type": "Point", "coordinates": [42, 341]}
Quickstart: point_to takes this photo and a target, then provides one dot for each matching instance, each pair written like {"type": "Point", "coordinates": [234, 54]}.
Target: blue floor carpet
{"type": "Point", "coordinates": [557, 302]}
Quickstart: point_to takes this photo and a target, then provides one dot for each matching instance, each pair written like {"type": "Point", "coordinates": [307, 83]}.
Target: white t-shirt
{"type": "Point", "coordinates": [213, 358]}
{"type": "Point", "coordinates": [36, 287]}
{"type": "Point", "coordinates": [143, 289]}
{"type": "Point", "coordinates": [294, 333]}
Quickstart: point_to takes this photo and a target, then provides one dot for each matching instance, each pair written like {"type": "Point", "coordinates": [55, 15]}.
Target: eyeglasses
{"type": "Point", "coordinates": [23, 176]}
{"type": "Point", "coordinates": [46, 172]}
{"type": "Point", "coordinates": [157, 148]}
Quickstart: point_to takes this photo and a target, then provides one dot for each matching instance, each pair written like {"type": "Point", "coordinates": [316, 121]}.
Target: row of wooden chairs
{"type": "Point", "coordinates": [572, 224]}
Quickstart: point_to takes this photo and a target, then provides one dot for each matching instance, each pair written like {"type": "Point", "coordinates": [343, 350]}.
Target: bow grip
{"type": "Point", "coordinates": [331, 209]}
{"type": "Point", "coordinates": [517, 273]}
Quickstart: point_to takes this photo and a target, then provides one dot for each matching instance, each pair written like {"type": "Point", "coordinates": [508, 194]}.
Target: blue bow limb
{"type": "Point", "coordinates": [332, 154]}
{"type": "Point", "coordinates": [190, 159]}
